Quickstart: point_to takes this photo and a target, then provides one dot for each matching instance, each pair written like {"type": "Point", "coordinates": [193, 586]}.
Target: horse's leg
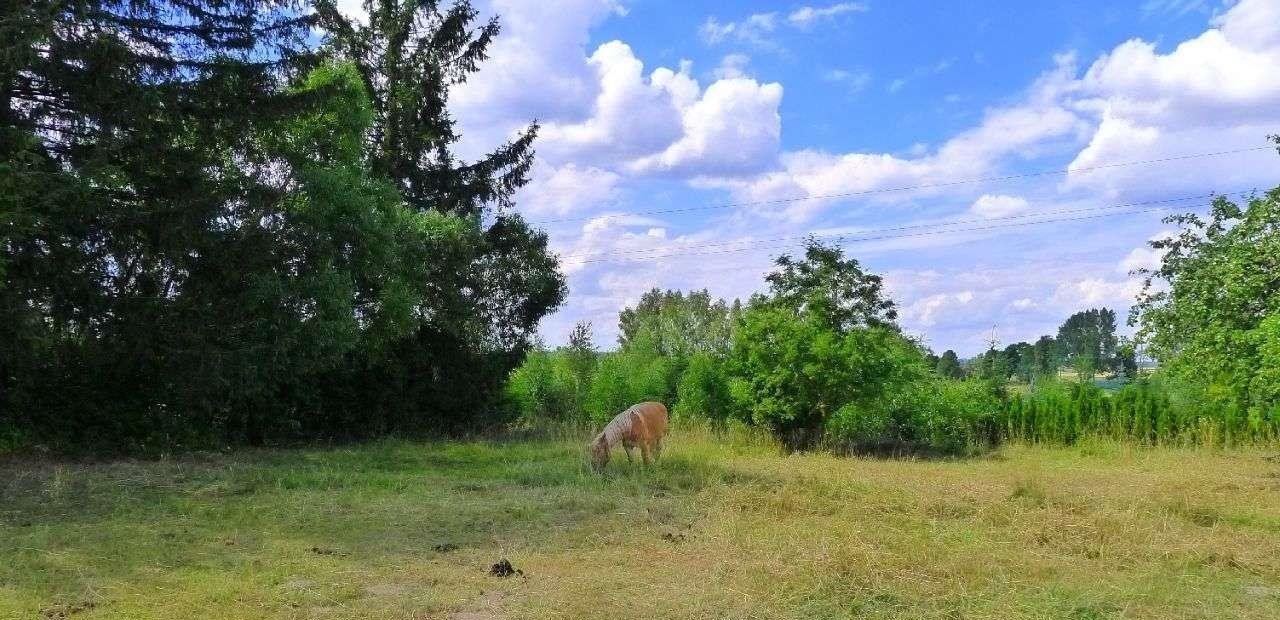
{"type": "Point", "coordinates": [627, 447]}
{"type": "Point", "coordinates": [657, 449]}
{"type": "Point", "coordinates": [644, 452]}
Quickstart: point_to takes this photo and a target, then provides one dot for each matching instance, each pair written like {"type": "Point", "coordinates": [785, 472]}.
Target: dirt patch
{"type": "Point", "coordinates": [503, 568]}
{"type": "Point", "coordinates": [674, 539]}
{"type": "Point", "coordinates": [446, 548]}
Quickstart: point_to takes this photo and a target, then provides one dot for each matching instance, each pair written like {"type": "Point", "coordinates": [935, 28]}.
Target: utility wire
{"type": "Point", "coordinates": [843, 239]}
{"type": "Point", "coordinates": [1164, 201]}
{"type": "Point", "coordinates": [905, 188]}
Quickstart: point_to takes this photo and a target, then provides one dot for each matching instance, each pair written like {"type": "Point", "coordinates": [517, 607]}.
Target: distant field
{"type": "Point", "coordinates": [719, 530]}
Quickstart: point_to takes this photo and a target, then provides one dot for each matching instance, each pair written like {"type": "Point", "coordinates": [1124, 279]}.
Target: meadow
{"type": "Point", "coordinates": [727, 526]}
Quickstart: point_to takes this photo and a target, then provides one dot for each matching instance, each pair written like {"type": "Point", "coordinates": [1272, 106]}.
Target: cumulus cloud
{"type": "Point", "coordinates": [733, 129]}
{"type": "Point", "coordinates": [1218, 91]}
{"type": "Point", "coordinates": [1023, 304]}
{"type": "Point", "coordinates": [1022, 130]}
{"type": "Point", "coordinates": [609, 122]}
{"type": "Point", "coordinates": [925, 312]}
{"type": "Point", "coordinates": [998, 205]}
{"type": "Point", "coordinates": [632, 115]}
{"type": "Point", "coordinates": [532, 49]}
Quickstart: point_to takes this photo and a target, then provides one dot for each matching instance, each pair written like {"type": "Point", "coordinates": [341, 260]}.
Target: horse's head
{"type": "Point", "coordinates": [598, 453]}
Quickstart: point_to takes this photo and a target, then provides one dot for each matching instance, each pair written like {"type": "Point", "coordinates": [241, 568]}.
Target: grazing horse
{"type": "Point", "coordinates": [642, 425]}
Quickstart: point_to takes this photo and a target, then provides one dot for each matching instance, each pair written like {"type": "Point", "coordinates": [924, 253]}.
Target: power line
{"type": "Point", "coordinates": [922, 225]}
{"type": "Point", "coordinates": [904, 188]}
{"type": "Point", "coordinates": [856, 239]}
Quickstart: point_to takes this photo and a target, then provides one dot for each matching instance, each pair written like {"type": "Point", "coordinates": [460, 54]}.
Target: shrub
{"type": "Point", "coordinates": [863, 389]}
{"type": "Point", "coordinates": [624, 379]}
{"type": "Point", "coordinates": [703, 390]}
{"type": "Point", "coordinates": [541, 389]}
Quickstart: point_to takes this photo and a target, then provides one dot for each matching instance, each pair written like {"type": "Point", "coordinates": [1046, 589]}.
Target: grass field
{"type": "Point", "coordinates": [721, 529]}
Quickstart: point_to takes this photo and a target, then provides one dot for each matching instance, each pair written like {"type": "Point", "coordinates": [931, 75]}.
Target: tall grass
{"type": "Point", "coordinates": [1146, 412]}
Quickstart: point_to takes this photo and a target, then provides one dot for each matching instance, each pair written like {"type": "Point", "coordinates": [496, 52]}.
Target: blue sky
{"type": "Point", "coordinates": [658, 106]}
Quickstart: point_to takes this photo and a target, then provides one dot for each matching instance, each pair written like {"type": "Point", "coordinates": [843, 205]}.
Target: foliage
{"type": "Point", "coordinates": [1046, 357]}
{"type": "Point", "coordinates": [624, 379]}
{"type": "Point", "coordinates": [543, 388]}
{"type": "Point", "coordinates": [211, 235]}
{"type": "Point", "coordinates": [1147, 411]}
{"type": "Point", "coordinates": [676, 325]}
{"type": "Point", "coordinates": [949, 366]}
{"type": "Point", "coordinates": [703, 391]}
{"type": "Point", "coordinates": [831, 289]}
{"type": "Point", "coordinates": [1088, 342]}
{"type": "Point", "coordinates": [581, 359]}
{"type": "Point", "coordinates": [1209, 311]}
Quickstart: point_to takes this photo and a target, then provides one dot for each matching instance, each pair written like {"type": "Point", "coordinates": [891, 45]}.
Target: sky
{"type": "Point", "coordinates": [684, 145]}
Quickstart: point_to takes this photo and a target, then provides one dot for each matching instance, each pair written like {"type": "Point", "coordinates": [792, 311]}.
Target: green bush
{"type": "Point", "coordinates": [624, 379]}
{"type": "Point", "coordinates": [704, 390]}
{"type": "Point", "coordinates": [861, 389]}
{"type": "Point", "coordinates": [542, 389]}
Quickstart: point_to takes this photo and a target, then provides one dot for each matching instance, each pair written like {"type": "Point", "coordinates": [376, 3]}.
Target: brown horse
{"type": "Point", "coordinates": [642, 425]}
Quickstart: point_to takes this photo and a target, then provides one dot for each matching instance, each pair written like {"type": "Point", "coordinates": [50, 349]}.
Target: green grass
{"type": "Point", "coordinates": [721, 529]}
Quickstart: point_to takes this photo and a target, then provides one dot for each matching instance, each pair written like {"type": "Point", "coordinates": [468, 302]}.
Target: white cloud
{"type": "Point", "coordinates": [566, 190]}
{"type": "Point", "coordinates": [759, 29]}
{"type": "Point", "coordinates": [1094, 292]}
{"type": "Point", "coordinates": [732, 66]}
{"type": "Point", "coordinates": [920, 72]}
{"type": "Point", "coordinates": [1173, 8]}
{"type": "Point", "coordinates": [1218, 91]}
{"type": "Point", "coordinates": [998, 205]}
{"type": "Point", "coordinates": [806, 16]}
{"type": "Point", "coordinates": [733, 129]}
{"type": "Point", "coordinates": [1019, 130]}
{"type": "Point", "coordinates": [854, 80]}
{"type": "Point", "coordinates": [353, 10]}
{"type": "Point", "coordinates": [754, 29]}
{"type": "Point", "coordinates": [609, 122]}
{"type": "Point", "coordinates": [1023, 304]}
{"type": "Point", "coordinates": [1145, 257]}
{"type": "Point", "coordinates": [631, 116]}
{"type": "Point", "coordinates": [925, 311]}
{"type": "Point", "coordinates": [532, 49]}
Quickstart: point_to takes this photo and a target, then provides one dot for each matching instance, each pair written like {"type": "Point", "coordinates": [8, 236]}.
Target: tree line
{"type": "Point", "coordinates": [820, 361]}
{"type": "Point", "coordinates": [232, 222]}
{"type": "Point", "coordinates": [1086, 344]}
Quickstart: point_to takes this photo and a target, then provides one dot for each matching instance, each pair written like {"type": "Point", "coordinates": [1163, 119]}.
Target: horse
{"type": "Point", "coordinates": [642, 425]}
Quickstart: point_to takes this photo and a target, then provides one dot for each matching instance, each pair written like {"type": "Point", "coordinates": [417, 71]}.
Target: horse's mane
{"type": "Point", "coordinates": [619, 426]}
